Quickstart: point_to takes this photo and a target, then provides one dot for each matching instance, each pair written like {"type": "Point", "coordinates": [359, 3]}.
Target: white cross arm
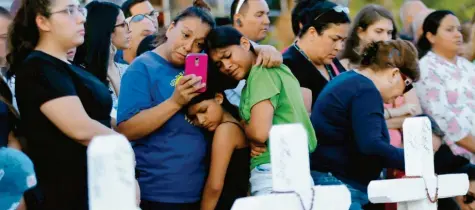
{"type": "Point", "coordinates": [326, 198]}
{"type": "Point", "coordinates": [411, 189]}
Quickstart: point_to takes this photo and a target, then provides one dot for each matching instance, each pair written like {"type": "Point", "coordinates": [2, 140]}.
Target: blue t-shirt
{"type": "Point", "coordinates": [119, 57]}
{"type": "Point", "coordinates": [5, 125]}
{"type": "Point", "coordinates": [171, 160]}
{"type": "Point", "coordinates": [353, 139]}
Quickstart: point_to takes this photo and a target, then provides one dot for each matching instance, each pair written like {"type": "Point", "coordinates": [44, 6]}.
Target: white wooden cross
{"type": "Point", "coordinates": [410, 193]}
{"type": "Point", "coordinates": [291, 173]}
{"type": "Point", "coordinates": [111, 174]}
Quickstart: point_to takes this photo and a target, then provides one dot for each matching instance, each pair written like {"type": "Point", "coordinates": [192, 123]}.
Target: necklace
{"type": "Point", "coordinates": [308, 59]}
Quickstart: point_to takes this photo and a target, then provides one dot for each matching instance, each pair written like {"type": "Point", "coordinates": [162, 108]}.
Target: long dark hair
{"type": "Point", "coordinates": [365, 18]}
{"type": "Point", "coordinates": [94, 53]}
{"type": "Point", "coordinates": [223, 36]}
{"type": "Point", "coordinates": [431, 24]}
{"type": "Point", "coordinates": [23, 33]}
{"type": "Point", "coordinates": [199, 9]}
{"type": "Point", "coordinates": [321, 15]}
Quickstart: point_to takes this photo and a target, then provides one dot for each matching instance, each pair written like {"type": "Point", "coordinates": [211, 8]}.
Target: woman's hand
{"type": "Point", "coordinates": [186, 88]}
{"type": "Point", "coordinates": [257, 148]}
{"type": "Point", "coordinates": [268, 56]}
{"type": "Point", "coordinates": [410, 109]}
{"type": "Point", "coordinates": [406, 109]}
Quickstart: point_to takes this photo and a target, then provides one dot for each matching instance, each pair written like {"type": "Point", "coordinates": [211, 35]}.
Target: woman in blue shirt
{"type": "Point", "coordinates": [170, 151]}
{"type": "Point", "coordinates": [353, 140]}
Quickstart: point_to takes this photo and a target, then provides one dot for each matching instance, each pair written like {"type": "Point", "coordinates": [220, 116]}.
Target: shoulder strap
{"type": "Point", "coordinates": [335, 69]}
{"type": "Point", "coordinates": [239, 125]}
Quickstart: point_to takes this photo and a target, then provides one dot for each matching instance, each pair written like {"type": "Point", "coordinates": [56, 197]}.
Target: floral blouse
{"type": "Point", "coordinates": [447, 92]}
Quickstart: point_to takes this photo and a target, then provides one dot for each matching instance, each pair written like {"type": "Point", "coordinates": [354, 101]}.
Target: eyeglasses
{"type": "Point", "coordinates": [123, 25]}
{"type": "Point", "coordinates": [407, 82]}
{"type": "Point", "coordinates": [73, 11]}
{"type": "Point", "coordinates": [337, 8]}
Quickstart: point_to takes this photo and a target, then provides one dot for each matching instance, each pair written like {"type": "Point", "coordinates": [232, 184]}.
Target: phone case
{"type": "Point", "coordinates": [197, 64]}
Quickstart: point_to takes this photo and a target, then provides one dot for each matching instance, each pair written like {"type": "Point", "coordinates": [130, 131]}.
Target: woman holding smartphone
{"type": "Point", "coordinates": [170, 151]}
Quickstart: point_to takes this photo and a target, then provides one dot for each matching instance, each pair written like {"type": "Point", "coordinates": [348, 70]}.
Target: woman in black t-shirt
{"type": "Point", "coordinates": [62, 106]}
{"type": "Point", "coordinates": [323, 28]}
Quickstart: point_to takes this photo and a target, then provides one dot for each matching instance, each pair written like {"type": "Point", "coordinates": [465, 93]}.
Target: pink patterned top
{"type": "Point", "coordinates": [395, 134]}
{"type": "Point", "coordinates": [447, 92]}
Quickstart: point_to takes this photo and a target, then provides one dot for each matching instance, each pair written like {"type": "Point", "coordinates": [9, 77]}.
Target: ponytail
{"type": "Point", "coordinates": [23, 33]}
{"type": "Point", "coordinates": [431, 25]}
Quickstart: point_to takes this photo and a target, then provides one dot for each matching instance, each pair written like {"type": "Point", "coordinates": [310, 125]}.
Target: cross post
{"type": "Point", "coordinates": [422, 188]}
{"type": "Point", "coordinates": [292, 183]}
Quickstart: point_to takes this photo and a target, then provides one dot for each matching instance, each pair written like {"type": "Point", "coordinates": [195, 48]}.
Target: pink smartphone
{"type": "Point", "coordinates": [197, 64]}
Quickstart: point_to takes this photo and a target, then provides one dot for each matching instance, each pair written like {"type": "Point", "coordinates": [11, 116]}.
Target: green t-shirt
{"type": "Point", "coordinates": [281, 87]}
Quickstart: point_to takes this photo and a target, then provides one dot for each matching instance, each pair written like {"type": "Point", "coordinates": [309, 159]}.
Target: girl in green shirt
{"type": "Point", "coordinates": [271, 96]}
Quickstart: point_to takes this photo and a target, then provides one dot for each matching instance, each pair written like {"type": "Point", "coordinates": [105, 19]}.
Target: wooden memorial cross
{"type": "Point", "coordinates": [422, 188]}
{"type": "Point", "coordinates": [292, 183]}
{"type": "Point", "coordinates": [111, 174]}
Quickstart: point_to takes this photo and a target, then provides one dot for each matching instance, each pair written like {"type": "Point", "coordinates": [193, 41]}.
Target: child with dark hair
{"type": "Point", "coordinates": [271, 96]}
{"type": "Point", "coordinates": [230, 155]}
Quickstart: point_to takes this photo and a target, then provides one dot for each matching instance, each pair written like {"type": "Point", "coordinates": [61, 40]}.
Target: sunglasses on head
{"type": "Point", "coordinates": [337, 8]}
{"type": "Point", "coordinates": [407, 82]}
{"type": "Point", "coordinates": [138, 18]}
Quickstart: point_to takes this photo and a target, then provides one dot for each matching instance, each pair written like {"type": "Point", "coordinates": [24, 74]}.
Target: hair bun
{"type": "Point", "coordinates": [369, 53]}
{"type": "Point", "coordinates": [201, 4]}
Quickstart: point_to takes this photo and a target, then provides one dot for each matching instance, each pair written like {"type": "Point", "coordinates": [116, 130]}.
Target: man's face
{"type": "Point", "coordinates": [145, 8]}
{"type": "Point", "coordinates": [254, 20]}
{"type": "Point", "coordinates": [4, 23]}
{"type": "Point", "coordinates": [140, 30]}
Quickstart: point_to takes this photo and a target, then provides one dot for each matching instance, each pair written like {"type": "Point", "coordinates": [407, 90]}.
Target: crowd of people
{"type": "Point", "coordinates": [72, 72]}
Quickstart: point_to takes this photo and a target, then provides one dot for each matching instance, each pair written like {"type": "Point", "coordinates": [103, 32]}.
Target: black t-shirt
{"type": "Point", "coordinates": [60, 162]}
{"type": "Point", "coordinates": [306, 73]}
